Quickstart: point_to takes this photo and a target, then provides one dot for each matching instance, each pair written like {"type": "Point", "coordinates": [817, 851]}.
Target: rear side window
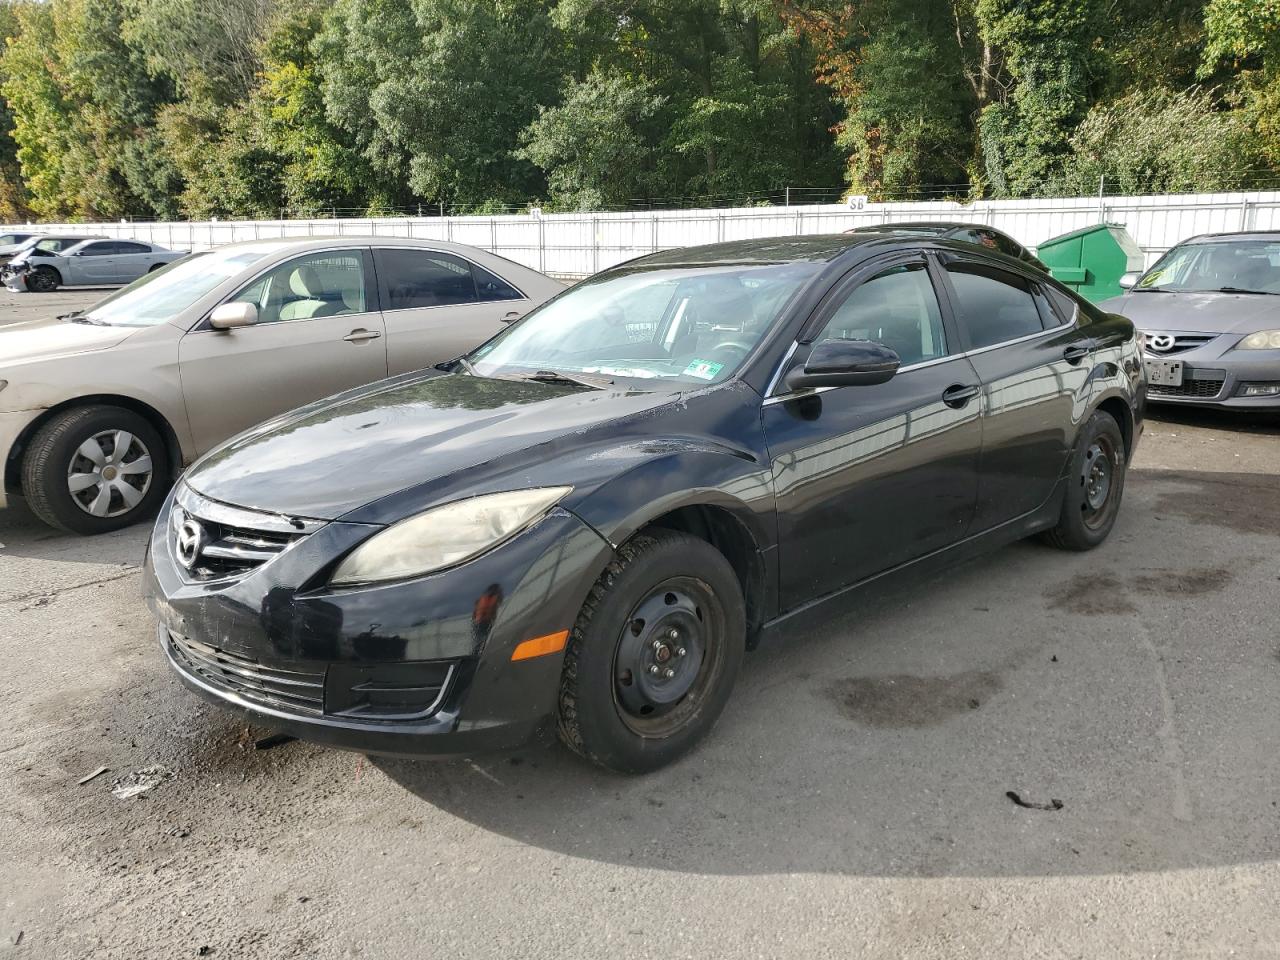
{"type": "Point", "coordinates": [125, 246]}
{"type": "Point", "coordinates": [424, 278]}
{"type": "Point", "coordinates": [490, 287]}
{"type": "Point", "coordinates": [995, 306]}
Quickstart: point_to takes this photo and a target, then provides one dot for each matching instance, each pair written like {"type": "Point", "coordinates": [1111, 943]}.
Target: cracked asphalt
{"type": "Point", "coordinates": [852, 802]}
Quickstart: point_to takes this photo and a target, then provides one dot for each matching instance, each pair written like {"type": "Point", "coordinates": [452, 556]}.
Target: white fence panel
{"type": "Point", "coordinates": [579, 244]}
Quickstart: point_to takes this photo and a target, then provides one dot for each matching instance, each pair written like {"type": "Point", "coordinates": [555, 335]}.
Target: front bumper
{"type": "Point", "coordinates": [279, 646]}
{"type": "Point", "coordinates": [1217, 378]}
{"type": "Point", "coordinates": [15, 278]}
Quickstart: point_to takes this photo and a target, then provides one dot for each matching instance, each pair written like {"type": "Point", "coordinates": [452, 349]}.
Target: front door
{"type": "Point", "coordinates": [1034, 366]}
{"type": "Point", "coordinates": [438, 306]}
{"type": "Point", "coordinates": [94, 263]}
{"type": "Point", "coordinates": [869, 477]}
{"type": "Point", "coordinates": [317, 334]}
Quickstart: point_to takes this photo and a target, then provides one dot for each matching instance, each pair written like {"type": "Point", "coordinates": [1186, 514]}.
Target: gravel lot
{"type": "Point", "coordinates": [851, 803]}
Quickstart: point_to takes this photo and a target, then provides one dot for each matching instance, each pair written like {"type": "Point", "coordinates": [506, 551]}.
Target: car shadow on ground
{"type": "Point", "coordinates": [1030, 713]}
{"type": "Point", "coordinates": [1250, 422]}
{"type": "Point", "coordinates": [23, 534]}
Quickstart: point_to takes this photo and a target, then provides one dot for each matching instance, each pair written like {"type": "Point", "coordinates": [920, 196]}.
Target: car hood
{"type": "Point", "coordinates": [1240, 313]}
{"type": "Point", "coordinates": [420, 430]}
{"type": "Point", "coordinates": [46, 339]}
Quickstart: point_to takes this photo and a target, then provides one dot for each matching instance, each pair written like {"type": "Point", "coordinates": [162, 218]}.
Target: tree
{"type": "Point", "coordinates": [436, 92]}
{"type": "Point", "coordinates": [1245, 34]}
{"type": "Point", "coordinates": [596, 148]}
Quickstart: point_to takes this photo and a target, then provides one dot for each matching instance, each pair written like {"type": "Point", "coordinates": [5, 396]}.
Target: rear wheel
{"type": "Point", "coordinates": [95, 469]}
{"type": "Point", "coordinates": [1096, 486]}
{"type": "Point", "coordinates": [43, 280]}
{"type": "Point", "coordinates": [654, 654]}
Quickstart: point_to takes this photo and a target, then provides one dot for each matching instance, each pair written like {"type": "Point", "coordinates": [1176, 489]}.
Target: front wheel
{"type": "Point", "coordinates": [654, 654]}
{"type": "Point", "coordinates": [1096, 485]}
{"type": "Point", "coordinates": [43, 280]}
{"type": "Point", "coordinates": [95, 469]}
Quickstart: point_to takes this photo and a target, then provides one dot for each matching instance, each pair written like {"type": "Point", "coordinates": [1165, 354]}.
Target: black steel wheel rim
{"type": "Point", "coordinates": [668, 656]}
{"type": "Point", "coordinates": [1099, 476]}
{"type": "Point", "coordinates": [41, 281]}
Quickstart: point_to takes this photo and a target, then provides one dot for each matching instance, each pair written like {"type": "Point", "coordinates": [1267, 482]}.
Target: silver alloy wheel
{"type": "Point", "coordinates": [110, 473]}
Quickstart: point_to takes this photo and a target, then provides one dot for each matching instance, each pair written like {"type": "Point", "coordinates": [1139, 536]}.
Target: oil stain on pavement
{"type": "Point", "coordinates": [905, 700]}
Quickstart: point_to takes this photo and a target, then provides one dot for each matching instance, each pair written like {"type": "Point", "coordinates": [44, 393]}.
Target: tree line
{"type": "Point", "coordinates": [193, 109]}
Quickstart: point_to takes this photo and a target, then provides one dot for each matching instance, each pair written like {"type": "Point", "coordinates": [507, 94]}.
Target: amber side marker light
{"type": "Point", "coordinates": [541, 646]}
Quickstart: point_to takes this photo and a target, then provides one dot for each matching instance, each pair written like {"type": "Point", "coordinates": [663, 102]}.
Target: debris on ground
{"type": "Point", "coordinates": [1053, 804]}
{"type": "Point", "coordinates": [274, 740]}
{"type": "Point", "coordinates": [140, 781]}
{"type": "Point", "coordinates": [92, 776]}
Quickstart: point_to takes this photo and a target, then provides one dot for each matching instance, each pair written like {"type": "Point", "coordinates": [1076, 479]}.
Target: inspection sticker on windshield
{"type": "Point", "coordinates": [703, 369]}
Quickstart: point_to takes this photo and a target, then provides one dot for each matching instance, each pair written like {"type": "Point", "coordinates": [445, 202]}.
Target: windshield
{"type": "Point", "coordinates": [157, 297]}
{"type": "Point", "coordinates": [57, 244]}
{"type": "Point", "coordinates": [10, 239]}
{"type": "Point", "coordinates": [687, 325]}
{"type": "Point", "coordinates": [1246, 265]}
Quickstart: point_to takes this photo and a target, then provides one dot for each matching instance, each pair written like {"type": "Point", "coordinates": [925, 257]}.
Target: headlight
{"type": "Point", "coordinates": [1262, 340]}
{"type": "Point", "coordinates": [446, 536]}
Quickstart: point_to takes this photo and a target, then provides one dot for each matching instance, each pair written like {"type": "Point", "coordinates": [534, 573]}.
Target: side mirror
{"type": "Point", "coordinates": [231, 315]}
{"type": "Point", "coordinates": [845, 363]}
{"type": "Point", "coordinates": [1129, 279]}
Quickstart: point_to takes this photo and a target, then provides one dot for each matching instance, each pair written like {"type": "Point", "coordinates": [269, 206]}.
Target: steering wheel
{"type": "Point", "coordinates": [743, 348]}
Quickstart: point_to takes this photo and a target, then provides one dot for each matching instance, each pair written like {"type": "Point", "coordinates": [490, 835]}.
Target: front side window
{"type": "Point", "coordinates": [1239, 265]}
{"type": "Point", "coordinates": [995, 306]}
{"type": "Point", "coordinates": [104, 249]}
{"type": "Point", "coordinates": [898, 308]}
{"type": "Point", "coordinates": [326, 284]}
{"type": "Point", "coordinates": [680, 324]}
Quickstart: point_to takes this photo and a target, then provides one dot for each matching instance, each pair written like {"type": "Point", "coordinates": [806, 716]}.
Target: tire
{"type": "Point", "coordinates": [154, 267]}
{"type": "Point", "coordinates": [1092, 502]}
{"type": "Point", "coordinates": [613, 710]}
{"type": "Point", "coordinates": [56, 460]}
{"type": "Point", "coordinates": [44, 280]}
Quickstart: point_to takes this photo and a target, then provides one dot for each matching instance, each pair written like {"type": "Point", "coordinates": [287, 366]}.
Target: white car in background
{"type": "Point", "coordinates": [96, 262]}
{"type": "Point", "coordinates": [12, 243]}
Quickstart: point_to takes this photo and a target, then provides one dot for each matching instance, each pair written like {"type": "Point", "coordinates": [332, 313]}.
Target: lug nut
{"type": "Point", "coordinates": [668, 673]}
{"type": "Point", "coordinates": [654, 669]}
{"type": "Point", "coordinates": [657, 644]}
{"type": "Point", "coordinates": [681, 652]}
{"type": "Point", "coordinates": [673, 633]}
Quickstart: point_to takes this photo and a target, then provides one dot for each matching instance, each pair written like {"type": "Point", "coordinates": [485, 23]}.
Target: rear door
{"type": "Point", "coordinates": [132, 260]}
{"type": "Point", "coordinates": [1034, 364]}
{"type": "Point", "coordinates": [437, 306]}
{"type": "Point", "coordinates": [318, 333]}
{"type": "Point", "coordinates": [869, 477]}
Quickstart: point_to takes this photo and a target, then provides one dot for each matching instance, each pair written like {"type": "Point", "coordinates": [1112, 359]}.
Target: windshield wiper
{"type": "Point", "coordinates": [79, 317]}
{"type": "Point", "coordinates": [467, 365]}
{"type": "Point", "coordinates": [1265, 293]}
{"type": "Point", "coordinates": [1151, 290]}
{"type": "Point", "coordinates": [554, 376]}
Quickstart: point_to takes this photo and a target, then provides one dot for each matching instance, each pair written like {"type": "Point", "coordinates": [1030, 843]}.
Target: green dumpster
{"type": "Point", "coordinates": [1092, 260]}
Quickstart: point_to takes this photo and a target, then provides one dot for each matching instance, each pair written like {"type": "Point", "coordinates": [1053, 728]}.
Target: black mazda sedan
{"type": "Point", "coordinates": [591, 518]}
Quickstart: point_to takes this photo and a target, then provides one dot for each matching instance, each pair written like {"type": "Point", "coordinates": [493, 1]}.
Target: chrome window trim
{"type": "Point", "coordinates": [772, 398]}
{"type": "Point", "coordinates": [450, 253]}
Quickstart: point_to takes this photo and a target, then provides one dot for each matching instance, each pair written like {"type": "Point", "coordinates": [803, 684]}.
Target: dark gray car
{"type": "Point", "coordinates": [1209, 312]}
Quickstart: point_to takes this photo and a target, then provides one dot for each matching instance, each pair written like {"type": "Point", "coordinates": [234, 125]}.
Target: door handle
{"type": "Point", "coordinates": [512, 317]}
{"type": "Point", "coordinates": [1076, 352]}
{"type": "Point", "coordinates": [958, 395]}
{"type": "Point", "coordinates": [360, 335]}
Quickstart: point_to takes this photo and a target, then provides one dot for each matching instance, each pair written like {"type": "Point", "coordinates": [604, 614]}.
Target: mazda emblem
{"type": "Point", "coordinates": [1160, 341]}
{"type": "Point", "coordinates": [190, 542]}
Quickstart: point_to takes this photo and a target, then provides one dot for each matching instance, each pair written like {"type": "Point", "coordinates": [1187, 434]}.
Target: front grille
{"type": "Point", "coordinates": [215, 541]}
{"type": "Point", "coordinates": [1203, 386]}
{"type": "Point", "coordinates": [295, 690]}
{"type": "Point", "coordinates": [1182, 342]}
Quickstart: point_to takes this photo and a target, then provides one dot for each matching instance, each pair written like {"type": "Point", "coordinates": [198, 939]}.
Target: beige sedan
{"type": "Point", "coordinates": [100, 410]}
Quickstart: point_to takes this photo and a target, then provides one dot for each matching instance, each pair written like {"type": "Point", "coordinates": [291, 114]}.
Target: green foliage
{"type": "Point", "coordinates": [1161, 141]}
{"type": "Point", "coordinates": [596, 147]}
{"type": "Point", "coordinates": [112, 108]}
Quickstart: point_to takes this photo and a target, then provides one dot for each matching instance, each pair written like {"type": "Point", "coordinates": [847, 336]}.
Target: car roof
{"type": "Point", "coordinates": [809, 248]}
{"type": "Point", "coordinates": [1228, 237]}
{"type": "Point", "coordinates": [326, 241]}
